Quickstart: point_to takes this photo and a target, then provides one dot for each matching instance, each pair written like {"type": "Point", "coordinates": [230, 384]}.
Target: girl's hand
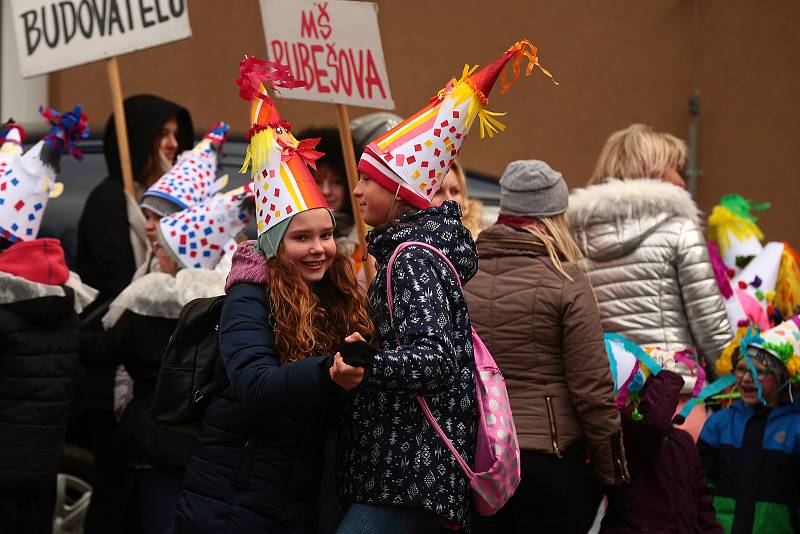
{"type": "Point", "coordinates": [345, 376]}
{"type": "Point", "coordinates": [352, 338]}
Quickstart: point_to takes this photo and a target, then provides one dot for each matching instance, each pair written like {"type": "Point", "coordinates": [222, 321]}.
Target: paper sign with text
{"type": "Point", "coordinates": [334, 46]}
{"type": "Point", "coordinates": [55, 34]}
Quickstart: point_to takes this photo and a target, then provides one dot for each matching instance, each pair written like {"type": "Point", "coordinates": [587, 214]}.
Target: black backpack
{"type": "Point", "coordinates": [189, 372]}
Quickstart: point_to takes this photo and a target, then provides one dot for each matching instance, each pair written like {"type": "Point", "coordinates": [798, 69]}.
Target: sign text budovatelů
{"type": "Point", "coordinates": [55, 34]}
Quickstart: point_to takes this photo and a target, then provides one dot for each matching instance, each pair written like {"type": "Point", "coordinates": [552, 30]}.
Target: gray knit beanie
{"type": "Point", "coordinates": [530, 188]}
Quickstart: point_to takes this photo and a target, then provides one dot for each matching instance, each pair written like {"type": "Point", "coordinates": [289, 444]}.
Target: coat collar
{"type": "Point", "coordinates": [621, 199]}
{"type": "Point", "coordinates": [504, 240]}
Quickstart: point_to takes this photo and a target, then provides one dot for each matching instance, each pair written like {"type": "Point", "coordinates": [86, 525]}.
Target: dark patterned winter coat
{"type": "Point", "coordinates": [390, 454]}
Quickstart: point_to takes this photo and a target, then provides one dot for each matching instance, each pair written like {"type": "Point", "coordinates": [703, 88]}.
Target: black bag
{"type": "Point", "coordinates": [189, 371]}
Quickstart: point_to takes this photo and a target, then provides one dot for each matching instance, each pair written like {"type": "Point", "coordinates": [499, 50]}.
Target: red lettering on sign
{"type": "Point", "coordinates": [319, 73]}
{"type": "Point", "coordinates": [372, 77]}
{"type": "Point", "coordinates": [331, 61]}
{"type": "Point", "coordinates": [308, 28]}
{"type": "Point", "coordinates": [347, 79]}
{"type": "Point", "coordinates": [358, 71]}
{"type": "Point", "coordinates": [278, 51]}
{"type": "Point", "coordinates": [324, 20]}
{"type": "Point", "coordinates": [305, 70]}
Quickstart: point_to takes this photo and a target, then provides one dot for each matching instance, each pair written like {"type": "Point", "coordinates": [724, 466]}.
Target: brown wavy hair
{"type": "Point", "coordinates": [311, 321]}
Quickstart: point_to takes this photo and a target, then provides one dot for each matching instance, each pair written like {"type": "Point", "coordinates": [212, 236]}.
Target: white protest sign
{"type": "Point", "coordinates": [55, 34]}
{"type": "Point", "coordinates": [334, 46]}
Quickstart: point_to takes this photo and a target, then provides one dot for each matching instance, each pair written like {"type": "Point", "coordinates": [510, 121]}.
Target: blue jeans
{"type": "Point", "coordinates": [372, 518]}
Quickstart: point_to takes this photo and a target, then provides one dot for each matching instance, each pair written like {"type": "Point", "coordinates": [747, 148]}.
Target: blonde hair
{"type": "Point", "coordinates": [557, 240]}
{"type": "Point", "coordinates": [639, 151]}
{"type": "Point", "coordinates": [471, 210]}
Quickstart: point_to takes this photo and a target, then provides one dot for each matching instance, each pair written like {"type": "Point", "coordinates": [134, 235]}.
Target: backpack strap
{"type": "Point", "coordinates": [400, 248]}
{"type": "Point", "coordinates": [421, 400]}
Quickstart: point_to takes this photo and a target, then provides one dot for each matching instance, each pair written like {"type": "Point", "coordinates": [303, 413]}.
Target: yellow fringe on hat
{"type": "Point", "coordinates": [464, 88]}
{"type": "Point", "coordinates": [261, 144]}
{"type": "Point", "coordinates": [722, 223]}
{"type": "Point", "coordinates": [724, 363]}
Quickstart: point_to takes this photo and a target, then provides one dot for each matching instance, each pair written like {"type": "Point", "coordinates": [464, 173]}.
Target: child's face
{"type": "Point", "coordinates": [309, 245]}
{"type": "Point", "coordinates": [151, 226]}
{"type": "Point", "coordinates": [747, 386]}
{"type": "Point", "coordinates": [332, 186]}
{"type": "Point", "coordinates": [374, 201]}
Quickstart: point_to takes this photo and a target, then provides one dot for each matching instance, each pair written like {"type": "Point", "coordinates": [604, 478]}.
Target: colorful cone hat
{"type": "Point", "coordinates": [737, 317]}
{"type": "Point", "coordinates": [193, 178]}
{"type": "Point", "coordinates": [198, 236]}
{"type": "Point", "coordinates": [12, 136]}
{"type": "Point", "coordinates": [733, 226]}
{"type": "Point", "coordinates": [630, 365]}
{"type": "Point", "coordinates": [787, 290]}
{"type": "Point", "coordinates": [783, 342]}
{"type": "Point", "coordinates": [27, 181]}
{"type": "Point", "coordinates": [415, 155]}
{"type": "Point", "coordinates": [755, 285]}
{"type": "Point", "coordinates": [278, 162]}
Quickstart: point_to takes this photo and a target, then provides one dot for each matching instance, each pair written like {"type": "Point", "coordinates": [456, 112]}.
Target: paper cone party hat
{"type": "Point", "coordinates": [755, 285]}
{"type": "Point", "coordinates": [733, 226]}
{"type": "Point", "coordinates": [198, 236]}
{"type": "Point", "coordinates": [413, 157]}
{"type": "Point", "coordinates": [629, 365]}
{"type": "Point", "coordinates": [28, 180]}
{"type": "Point", "coordinates": [737, 318]}
{"type": "Point", "coordinates": [787, 290]}
{"type": "Point", "coordinates": [12, 136]}
{"type": "Point", "coordinates": [278, 162]}
{"type": "Point", "coordinates": [783, 342]}
{"type": "Point", "coordinates": [193, 178]}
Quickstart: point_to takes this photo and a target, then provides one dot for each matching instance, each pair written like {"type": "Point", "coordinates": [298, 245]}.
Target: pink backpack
{"type": "Point", "coordinates": [497, 463]}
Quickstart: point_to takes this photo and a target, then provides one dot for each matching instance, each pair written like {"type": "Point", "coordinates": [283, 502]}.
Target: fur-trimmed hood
{"type": "Point", "coordinates": [163, 295]}
{"type": "Point", "coordinates": [611, 219]}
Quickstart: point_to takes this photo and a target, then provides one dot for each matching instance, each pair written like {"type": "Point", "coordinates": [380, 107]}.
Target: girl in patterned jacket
{"type": "Point", "coordinates": [394, 468]}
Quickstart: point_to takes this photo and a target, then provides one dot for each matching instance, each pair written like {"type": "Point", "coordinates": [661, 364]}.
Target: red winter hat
{"type": "Point", "coordinates": [39, 260]}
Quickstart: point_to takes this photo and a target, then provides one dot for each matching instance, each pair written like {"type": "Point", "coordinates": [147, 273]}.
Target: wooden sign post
{"type": "Point", "coordinates": [343, 119]}
{"type": "Point", "coordinates": [335, 47]}
{"type": "Point", "coordinates": [120, 126]}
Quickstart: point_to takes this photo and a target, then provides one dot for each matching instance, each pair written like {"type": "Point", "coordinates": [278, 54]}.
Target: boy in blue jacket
{"type": "Point", "coordinates": [751, 451]}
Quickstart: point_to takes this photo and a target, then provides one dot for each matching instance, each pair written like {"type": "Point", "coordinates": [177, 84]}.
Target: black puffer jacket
{"type": "Point", "coordinates": [39, 345]}
{"type": "Point", "coordinates": [138, 342]}
{"type": "Point", "coordinates": [390, 454]}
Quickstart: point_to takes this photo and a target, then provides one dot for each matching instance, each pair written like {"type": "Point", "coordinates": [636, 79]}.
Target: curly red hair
{"type": "Point", "coordinates": [310, 320]}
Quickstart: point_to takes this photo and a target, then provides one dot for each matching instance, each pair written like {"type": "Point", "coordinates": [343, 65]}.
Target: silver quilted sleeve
{"type": "Point", "coordinates": [705, 308]}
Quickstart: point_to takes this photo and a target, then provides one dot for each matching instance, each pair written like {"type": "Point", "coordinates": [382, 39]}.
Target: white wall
{"type": "Point", "coordinates": [19, 98]}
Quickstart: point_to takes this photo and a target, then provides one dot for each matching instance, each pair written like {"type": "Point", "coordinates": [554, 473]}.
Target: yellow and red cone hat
{"type": "Point", "coordinates": [413, 158]}
{"type": "Point", "coordinates": [278, 162]}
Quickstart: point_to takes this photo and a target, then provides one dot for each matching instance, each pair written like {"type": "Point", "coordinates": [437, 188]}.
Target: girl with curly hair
{"type": "Point", "coordinates": [259, 461]}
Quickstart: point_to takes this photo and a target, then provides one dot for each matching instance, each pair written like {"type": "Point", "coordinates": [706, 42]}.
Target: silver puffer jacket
{"type": "Point", "coordinates": [649, 266]}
